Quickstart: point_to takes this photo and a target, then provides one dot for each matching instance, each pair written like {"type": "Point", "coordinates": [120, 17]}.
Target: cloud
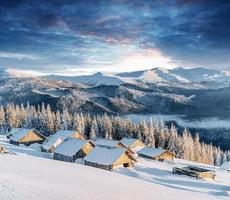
{"type": "Point", "coordinates": [18, 56]}
{"type": "Point", "coordinates": [92, 34]}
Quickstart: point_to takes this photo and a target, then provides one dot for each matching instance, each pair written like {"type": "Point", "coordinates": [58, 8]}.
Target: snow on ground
{"type": "Point", "coordinates": [29, 176]}
{"type": "Point", "coordinates": [161, 173]}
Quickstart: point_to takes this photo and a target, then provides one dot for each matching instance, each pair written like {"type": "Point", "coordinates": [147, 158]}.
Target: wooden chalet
{"type": "Point", "coordinates": [197, 172]}
{"type": "Point", "coordinates": [72, 148]}
{"type": "Point", "coordinates": [51, 143]}
{"type": "Point", "coordinates": [132, 144]}
{"type": "Point", "coordinates": [156, 154]}
{"type": "Point", "coordinates": [109, 158]}
{"type": "Point", "coordinates": [26, 136]}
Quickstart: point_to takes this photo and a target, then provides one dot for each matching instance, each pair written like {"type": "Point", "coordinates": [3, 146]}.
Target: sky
{"type": "Point", "coordinates": [85, 36]}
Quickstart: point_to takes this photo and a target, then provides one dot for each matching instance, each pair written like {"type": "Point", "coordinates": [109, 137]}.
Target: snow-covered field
{"type": "Point", "coordinates": [32, 175]}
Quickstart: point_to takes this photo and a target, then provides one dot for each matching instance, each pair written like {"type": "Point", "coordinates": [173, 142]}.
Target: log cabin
{"type": "Point", "coordinates": [27, 136]}
{"type": "Point", "coordinates": [52, 142]}
{"type": "Point", "coordinates": [156, 154]}
{"type": "Point", "coordinates": [197, 172]}
{"type": "Point", "coordinates": [109, 158]}
{"type": "Point", "coordinates": [72, 148]}
{"type": "Point", "coordinates": [132, 144]}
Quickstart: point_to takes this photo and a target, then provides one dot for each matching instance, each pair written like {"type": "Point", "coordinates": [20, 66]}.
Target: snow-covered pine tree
{"type": "Point", "coordinates": [94, 130]}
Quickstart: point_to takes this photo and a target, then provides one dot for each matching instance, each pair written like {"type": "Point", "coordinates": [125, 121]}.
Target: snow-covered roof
{"type": "Point", "coordinates": [225, 166]}
{"type": "Point", "coordinates": [14, 130]}
{"type": "Point", "coordinates": [128, 142]}
{"type": "Point", "coordinates": [20, 133]}
{"type": "Point", "coordinates": [106, 142]}
{"type": "Point", "coordinates": [151, 152]}
{"type": "Point", "coordinates": [52, 139]}
{"type": "Point", "coordinates": [104, 156]}
{"type": "Point", "coordinates": [70, 146]}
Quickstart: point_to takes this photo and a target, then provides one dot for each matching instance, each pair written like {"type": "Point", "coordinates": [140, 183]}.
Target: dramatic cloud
{"type": "Point", "coordinates": [105, 35]}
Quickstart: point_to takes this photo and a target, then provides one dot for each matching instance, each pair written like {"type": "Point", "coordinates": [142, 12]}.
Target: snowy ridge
{"type": "Point", "coordinates": [155, 75]}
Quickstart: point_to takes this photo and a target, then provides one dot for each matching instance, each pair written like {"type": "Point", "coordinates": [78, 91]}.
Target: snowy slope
{"type": "Point", "coordinates": [49, 179]}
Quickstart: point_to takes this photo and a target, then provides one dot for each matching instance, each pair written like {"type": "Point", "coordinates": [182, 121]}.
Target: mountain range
{"type": "Point", "coordinates": [155, 75]}
{"type": "Point", "coordinates": [195, 94]}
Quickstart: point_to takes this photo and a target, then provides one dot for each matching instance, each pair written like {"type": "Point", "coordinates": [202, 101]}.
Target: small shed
{"type": "Point", "coordinates": [109, 158]}
{"type": "Point", "coordinates": [72, 148]}
{"type": "Point", "coordinates": [4, 150]}
{"type": "Point", "coordinates": [26, 136]}
{"type": "Point", "coordinates": [156, 154]}
{"type": "Point", "coordinates": [56, 139]}
{"type": "Point", "coordinates": [197, 172]}
{"type": "Point", "coordinates": [132, 144]}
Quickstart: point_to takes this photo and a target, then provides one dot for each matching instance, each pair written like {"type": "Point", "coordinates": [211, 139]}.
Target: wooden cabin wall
{"type": "Point", "coordinates": [165, 156]}
{"type": "Point", "coordinates": [78, 136]}
{"type": "Point", "coordinates": [87, 148]}
{"type": "Point", "coordinates": [61, 157]}
{"type": "Point", "coordinates": [106, 167]}
{"type": "Point", "coordinates": [206, 175]}
{"type": "Point", "coordinates": [123, 160]}
{"type": "Point", "coordinates": [138, 143]}
{"type": "Point", "coordinates": [32, 137]}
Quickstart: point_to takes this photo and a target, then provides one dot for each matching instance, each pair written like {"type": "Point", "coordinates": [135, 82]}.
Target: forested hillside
{"type": "Point", "coordinates": [153, 133]}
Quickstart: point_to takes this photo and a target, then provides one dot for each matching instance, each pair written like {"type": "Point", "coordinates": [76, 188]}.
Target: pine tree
{"type": "Point", "coordinates": [172, 138]}
{"type": "Point", "coordinates": [2, 119]}
{"type": "Point", "coordinates": [197, 149]}
{"type": "Point", "coordinates": [94, 130]}
{"type": "Point", "coordinates": [150, 137]}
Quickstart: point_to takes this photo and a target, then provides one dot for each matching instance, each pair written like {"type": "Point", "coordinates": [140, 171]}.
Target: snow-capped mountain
{"type": "Point", "coordinates": [12, 73]}
{"type": "Point", "coordinates": [155, 75]}
{"type": "Point", "coordinates": [128, 93]}
{"type": "Point", "coordinates": [100, 78]}
{"type": "Point", "coordinates": [178, 75]}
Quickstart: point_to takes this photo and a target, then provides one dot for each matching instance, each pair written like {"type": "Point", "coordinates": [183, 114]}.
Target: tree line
{"type": "Point", "coordinates": [153, 133]}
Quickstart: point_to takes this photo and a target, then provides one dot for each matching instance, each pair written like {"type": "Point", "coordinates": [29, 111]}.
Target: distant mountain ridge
{"type": "Point", "coordinates": [192, 93]}
{"type": "Point", "coordinates": [13, 73]}
{"type": "Point", "coordinates": [155, 75]}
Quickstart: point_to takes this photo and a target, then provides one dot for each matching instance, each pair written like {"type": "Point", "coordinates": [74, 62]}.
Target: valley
{"type": "Point", "coordinates": [202, 106]}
